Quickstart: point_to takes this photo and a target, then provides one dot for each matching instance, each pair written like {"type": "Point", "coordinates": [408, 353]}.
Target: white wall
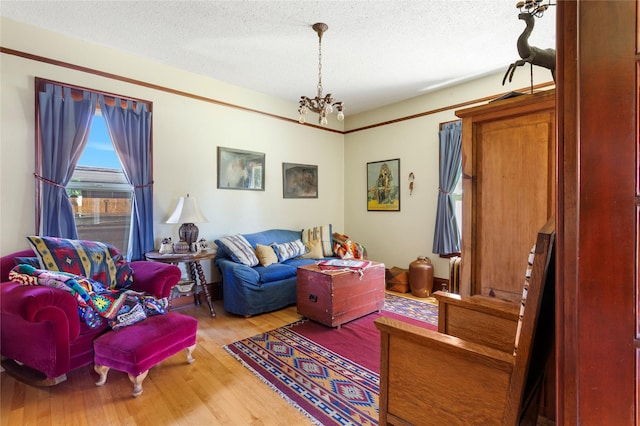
{"type": "Point", "coordinates": [186, 132]}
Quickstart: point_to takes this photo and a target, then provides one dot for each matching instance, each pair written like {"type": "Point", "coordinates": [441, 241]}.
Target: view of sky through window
{"type": "Point", "coordinates": [99, 151]}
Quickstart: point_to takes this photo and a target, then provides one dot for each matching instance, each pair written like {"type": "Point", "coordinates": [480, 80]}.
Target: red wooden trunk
{"type": "Point", "coordinates": [333, 297]}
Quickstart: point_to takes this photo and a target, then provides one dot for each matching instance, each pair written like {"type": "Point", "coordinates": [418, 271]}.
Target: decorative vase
{"type": "Point", "coordinates": [181, 247]}
{"type": "Point", "coordinates": [188, 232]}
{"type": "Point", "coordinates": [421, 277]}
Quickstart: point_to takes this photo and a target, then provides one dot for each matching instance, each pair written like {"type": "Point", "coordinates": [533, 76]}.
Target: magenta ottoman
{"type": "Point", "coordinates": [137, 348]}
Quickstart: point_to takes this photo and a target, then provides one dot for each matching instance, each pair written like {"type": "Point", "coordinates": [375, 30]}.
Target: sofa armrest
{"type": "Point", "coordinates": [7, 263]}
{"type": "Point", "coordinates": [237, 272]}
{"type": "Point", "coordinates": [38, 303]}
{"type": "Point", "coordinates": [155, 278]}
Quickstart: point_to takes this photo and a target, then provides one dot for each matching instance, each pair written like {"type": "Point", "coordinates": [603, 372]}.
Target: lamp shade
{"type": "Point", "coordinates": [187, 211]}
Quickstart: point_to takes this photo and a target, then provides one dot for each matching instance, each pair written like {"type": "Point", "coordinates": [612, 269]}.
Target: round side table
{"type": "Point", "coordinates": [192, 262]}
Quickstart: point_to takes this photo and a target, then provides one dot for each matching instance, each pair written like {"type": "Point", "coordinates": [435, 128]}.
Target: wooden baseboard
{"type": "Point", "coordinates": [215, 290]}
{"type": "Point", "coordinates": [438, 284]}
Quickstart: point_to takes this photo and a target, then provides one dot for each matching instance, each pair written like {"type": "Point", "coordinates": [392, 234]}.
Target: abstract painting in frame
{"type": "Point", "coordinates": [383, 186]}
{"type": "Point", "coordinates": [299, 181]}
{"type": "Point", "coordinates": [238, 169]}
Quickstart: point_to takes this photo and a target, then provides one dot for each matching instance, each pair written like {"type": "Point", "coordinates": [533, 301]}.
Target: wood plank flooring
{"type": "Point", "coordinates": [215, 390]}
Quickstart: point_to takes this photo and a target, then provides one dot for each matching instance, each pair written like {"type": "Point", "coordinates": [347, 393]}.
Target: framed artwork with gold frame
{"type": "Point", "coordinates": [383, 186]}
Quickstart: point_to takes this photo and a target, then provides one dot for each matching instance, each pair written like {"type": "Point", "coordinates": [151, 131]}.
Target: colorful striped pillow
{"type": "Point", "coordinates": [239, 249]}
{"type": "Point", "coordinates": [289, 250]}
{"type": "Point", "coordinates": [92, 259]}
{"type": "Point", "coordinates": [321, 233]}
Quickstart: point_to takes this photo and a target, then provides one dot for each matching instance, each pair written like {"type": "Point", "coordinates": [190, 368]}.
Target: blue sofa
{"type": "Point", "coordinates": [254, 290]}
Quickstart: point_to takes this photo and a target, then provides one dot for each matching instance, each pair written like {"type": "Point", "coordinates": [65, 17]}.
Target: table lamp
{"type": "Point", "coordinates": [187, 213]}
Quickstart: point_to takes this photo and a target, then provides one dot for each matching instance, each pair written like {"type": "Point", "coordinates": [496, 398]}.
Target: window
{"type": "Point", "coordinates": [99, 192]}
{"type": "Point", "coordinates": [74, 153]}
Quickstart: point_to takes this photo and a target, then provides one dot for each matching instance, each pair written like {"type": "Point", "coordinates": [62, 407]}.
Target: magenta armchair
{"type": "Point", "coordinates": [40, 326]}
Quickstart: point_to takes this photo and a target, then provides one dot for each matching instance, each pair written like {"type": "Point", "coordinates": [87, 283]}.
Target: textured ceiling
{"type": "Point", "coordinates": [374, 53]}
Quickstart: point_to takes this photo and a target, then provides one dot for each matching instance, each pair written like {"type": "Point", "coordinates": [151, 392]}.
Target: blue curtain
{"type": "Point", "coordinates": [130, 130]}
{"type": "Point", "coordinates": [446, 238]}
{"type": "Point", "coordinates": [64, 127]}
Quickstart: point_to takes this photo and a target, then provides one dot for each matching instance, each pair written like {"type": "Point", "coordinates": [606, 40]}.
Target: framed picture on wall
{"type": "Point", "coordinates": [383, 186]}
{"type": "Point", "coordinates": [239, 169]}
{"type": "Point", "coordinates": [299, 181]}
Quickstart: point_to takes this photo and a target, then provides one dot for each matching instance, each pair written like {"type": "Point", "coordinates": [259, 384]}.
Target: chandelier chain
{"type": "Point", "coordinates": [320, 66]}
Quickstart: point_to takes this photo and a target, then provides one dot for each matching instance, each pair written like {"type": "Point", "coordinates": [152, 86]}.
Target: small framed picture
{"type": "Point", "coordinates": [383, 186]}
{"type": "Point", "coordinates": [239, 169]}
{"type": "Point", "coordinates": [299, 181]}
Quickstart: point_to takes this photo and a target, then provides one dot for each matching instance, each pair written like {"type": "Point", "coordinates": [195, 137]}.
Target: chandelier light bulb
{"type": "Point", "coordinates": [324, 121]}
{"type": "Point", "coordinates": [340, 116]}
{"type": "Point", "coordinates": [301, 120]}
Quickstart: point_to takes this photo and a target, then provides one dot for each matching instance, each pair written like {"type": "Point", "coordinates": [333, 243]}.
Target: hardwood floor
{"type": "Point", "coordinates": [215, 390]}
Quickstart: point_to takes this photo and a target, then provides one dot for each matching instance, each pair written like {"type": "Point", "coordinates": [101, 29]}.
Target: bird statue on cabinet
{"type": "Point", "coordinates": [545, 58]}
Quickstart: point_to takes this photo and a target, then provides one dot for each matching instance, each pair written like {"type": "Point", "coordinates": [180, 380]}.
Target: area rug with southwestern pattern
{"type": "Point", "coordinates": [329, 374]}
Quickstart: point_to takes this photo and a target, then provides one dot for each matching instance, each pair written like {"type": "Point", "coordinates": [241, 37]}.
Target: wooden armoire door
{"type": "Point", "coordinates": [508, 186]}
{"type": "Point", "coordinates": [598, 221]}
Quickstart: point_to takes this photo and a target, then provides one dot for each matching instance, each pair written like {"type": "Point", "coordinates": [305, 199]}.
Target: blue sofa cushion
{"type": "Point", "coordinates": [299, 261]}
{"type": "Point", "coordinates": [271, 236]}
{"type": "Point", "coordinates": [275, 272]}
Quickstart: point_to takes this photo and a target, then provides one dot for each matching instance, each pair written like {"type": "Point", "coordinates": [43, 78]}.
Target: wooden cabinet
{"type": "Point", "coordinates": [508, 171]}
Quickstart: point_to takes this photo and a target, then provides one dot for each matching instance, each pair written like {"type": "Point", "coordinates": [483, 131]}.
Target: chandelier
{"type": "Point", "coordinates": [320, 105]}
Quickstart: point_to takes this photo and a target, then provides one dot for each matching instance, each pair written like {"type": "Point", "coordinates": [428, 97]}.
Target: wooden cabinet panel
{"type": "Point", "coordinates": [508, 190]}
{"type": "Point", "coordinates": [597, 90]}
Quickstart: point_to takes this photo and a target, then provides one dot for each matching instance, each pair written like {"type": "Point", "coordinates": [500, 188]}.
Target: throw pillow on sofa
{"type": "Point", "coordinates": [289, 250]}
{"type": "Point", "coordinates": [31, 261]}
{"type": "Point", "coordinates": [239, 249]}
{"type": "Point", "coordinates": [92, 259]}
{"type": "Point", "coordinates": [266, 255]}
{"type": "Point", "coordinates": [314, 250]}
{"type": "Point", "coordinates": [322, 233]}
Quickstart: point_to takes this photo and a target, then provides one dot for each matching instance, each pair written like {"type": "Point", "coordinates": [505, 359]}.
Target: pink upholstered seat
{"type": "Point", "coordinates": [40, 326]}
{"type": "Point", "coordinates": [137, 348]}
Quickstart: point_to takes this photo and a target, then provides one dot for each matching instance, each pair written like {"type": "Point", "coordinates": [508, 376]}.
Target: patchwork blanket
{"type": "Point", "coordinates": [96, 303]}
{"type": "Point", "coordinates": [344, 248]}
